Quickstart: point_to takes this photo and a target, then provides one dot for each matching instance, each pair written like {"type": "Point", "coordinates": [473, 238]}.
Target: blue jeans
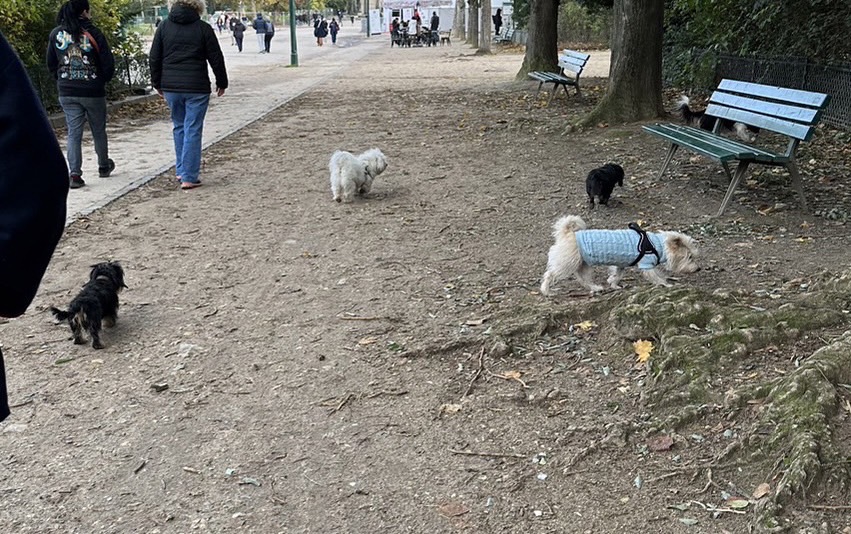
{"type": "Point", "coordinates": [77, 109]}
{"type": "Point", "coordinates": [187, 114]}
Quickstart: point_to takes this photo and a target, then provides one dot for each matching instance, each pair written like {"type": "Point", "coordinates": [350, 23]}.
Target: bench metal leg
{"type": "Point", "coordinates": [740, 172]}
{"type": "Point", "coordinates": [668, 159]}
{"type": "Point", "coordinates": [792, 166]}
{"type": "Point", "coordinates": [552, 94]}
{"type": "Point", "coordinates": [535, 98]}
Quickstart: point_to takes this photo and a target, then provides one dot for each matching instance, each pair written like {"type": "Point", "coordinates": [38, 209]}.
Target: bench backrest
{"type": "Point", "coordinates": [790, 112]}
{"type": "Point", "coordinates": [572, 62]}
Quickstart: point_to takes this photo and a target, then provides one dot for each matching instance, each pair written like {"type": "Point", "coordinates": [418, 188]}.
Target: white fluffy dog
{"type": "Point", "coordinates": [353, 175]}
{"type": "Point", "coordinates": [577, 249]}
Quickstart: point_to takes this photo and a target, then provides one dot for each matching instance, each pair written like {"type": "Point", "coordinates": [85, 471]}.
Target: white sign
{"type": "Point", "coordinates": [375, 21]}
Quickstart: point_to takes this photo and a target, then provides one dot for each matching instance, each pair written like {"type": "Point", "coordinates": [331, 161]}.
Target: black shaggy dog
{"type": "Point", "coordinates": [601, 182]}
{"type": "Point", "coordinates": [96, 303]}
{"type": "Point", "coordinates": [699, 119]}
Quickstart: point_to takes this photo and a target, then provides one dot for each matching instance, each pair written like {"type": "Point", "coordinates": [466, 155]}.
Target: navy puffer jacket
{"type": "Point", "coordinates": [182, 47]}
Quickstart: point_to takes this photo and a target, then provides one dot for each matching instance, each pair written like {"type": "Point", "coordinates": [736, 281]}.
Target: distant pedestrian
{"type": "Point", "coordinates": [353, 20]}
{"type": "Point", "coordinates": [238, 32]}
{"type": "Point", "coordinates": [334, 28]}
{"type": "Point", "coordinates": [270, 32]}
{"type": "Point", "coordinates": [321, 31]}
{"type": "Point", "coordinates": [497, 20]}
{"type": "Point", "coordinates": [182, 47]}
{"type": "Point", "coordinates": [33, 196]}
{"type": "Point", "coordinates": [260, 29]}
{"type": "Point", "coordinates": [81, 62]}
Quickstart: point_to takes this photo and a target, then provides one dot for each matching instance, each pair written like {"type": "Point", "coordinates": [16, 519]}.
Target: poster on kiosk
{"type": "Point", "coordinates": [375, 21]}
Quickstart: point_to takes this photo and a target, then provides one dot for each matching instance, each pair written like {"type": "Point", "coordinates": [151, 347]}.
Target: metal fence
{"type": "Point", "coordinates": [795, 73]}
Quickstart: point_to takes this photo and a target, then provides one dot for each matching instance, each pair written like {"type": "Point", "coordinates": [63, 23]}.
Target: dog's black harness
{"type": "Point", "coordinates": [645, 246]}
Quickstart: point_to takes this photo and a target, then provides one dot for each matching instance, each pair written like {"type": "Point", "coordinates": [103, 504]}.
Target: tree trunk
{"type": "Point", "coordinates": [485, 38]}
{"type": "Point", "coordinates": [473, 33]}
{"type": "Point", "coordinates": [635, 75]}
{"type": "Point", "coordinates": [541, 39]}
{"type": "Point", "coordinates": [459, 31]}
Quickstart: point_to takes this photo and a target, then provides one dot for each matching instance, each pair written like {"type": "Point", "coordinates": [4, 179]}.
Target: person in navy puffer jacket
{"type": "Point", "coordinates": [33, 193]}
{"type": "Point", "coordinates": [182, 47]}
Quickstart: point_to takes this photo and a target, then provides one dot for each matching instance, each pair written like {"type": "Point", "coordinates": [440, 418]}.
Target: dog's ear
{"type": "Point", "coordinates": [679, 242]}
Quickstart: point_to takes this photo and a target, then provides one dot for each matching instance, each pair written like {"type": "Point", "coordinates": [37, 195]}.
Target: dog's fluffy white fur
{"type": "Point", "coordinates": [565, 258]}
{"type": "Point", "coordinates": [353, 175]}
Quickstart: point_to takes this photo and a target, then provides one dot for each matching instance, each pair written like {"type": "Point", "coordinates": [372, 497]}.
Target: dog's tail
{"type": "Point", "coordinates": [685, 111]}
{"type": "Point", "coordinates": [60, 314]}
{"type": "Point", "coordinates": [567, 225]}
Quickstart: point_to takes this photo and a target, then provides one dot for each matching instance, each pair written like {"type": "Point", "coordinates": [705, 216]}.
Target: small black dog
{"type": "Point", "coordinates": [601, 182]}
{"type": "Point", "coordinates": [700, 120]}
{"type": "Point", "coordinates": [96, 303]}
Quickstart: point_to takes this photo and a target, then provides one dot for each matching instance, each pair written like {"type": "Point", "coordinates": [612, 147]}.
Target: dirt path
{"type": "Point", "coordinates": [331, 368]}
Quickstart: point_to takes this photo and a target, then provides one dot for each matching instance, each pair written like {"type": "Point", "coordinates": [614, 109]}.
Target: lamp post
{"type": "Point", "coordinates": [293, 40]}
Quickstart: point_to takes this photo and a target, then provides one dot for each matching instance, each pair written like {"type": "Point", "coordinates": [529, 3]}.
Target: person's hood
{"type": "Point", "coordinates": [183, 14]}
{"type": "Point", "coordinates": [186, 11]}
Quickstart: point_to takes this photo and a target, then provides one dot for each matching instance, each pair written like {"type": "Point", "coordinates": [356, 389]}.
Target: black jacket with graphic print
{"type": "Point", "coordinates": [82, 68]}
{"type": "Point", "coordinates": [181, 49]}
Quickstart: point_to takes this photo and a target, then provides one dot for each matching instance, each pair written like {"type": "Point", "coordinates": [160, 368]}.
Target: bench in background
{"type": "Point", "coordinates": [789, 112]}
{"type": "Point", "coordinates": [571, 64]}
{"type": "Point", "coordinates": [506, 36]}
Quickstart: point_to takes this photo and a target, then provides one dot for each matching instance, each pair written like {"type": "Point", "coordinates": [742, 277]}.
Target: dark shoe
{"type": "Point", "coordinates": [104, 172]}
{"type": "Point", "coordinates": [76, 182]}
{"type": "Point", "coordinates": [190, 185]}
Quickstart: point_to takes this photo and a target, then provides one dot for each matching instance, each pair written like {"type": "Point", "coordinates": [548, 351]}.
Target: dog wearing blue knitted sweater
{"type": "Point", "coordinates": [577, 250]}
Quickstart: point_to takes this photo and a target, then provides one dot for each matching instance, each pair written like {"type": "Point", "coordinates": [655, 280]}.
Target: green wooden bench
{"type": "Point", "coordinates": [571, 64]}
{"type": "Point", "coordinates": [506, 36]}
{"type": "Point", "coordinates": [789, 112]}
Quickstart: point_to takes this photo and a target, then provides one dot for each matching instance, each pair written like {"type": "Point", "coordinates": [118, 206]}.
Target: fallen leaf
{"type": "Point", "coordinates": [643, 348]}
{"type": "Point", "coordinates": [585, 325]}
{"type": "Point", "coordinates": [737, 503]}
{"type": "Point", "coordinates": [474, 322]}
{"type": "Point", "coordinates": [450, 408]}
{"type": "Point", "coordinates": [452, 509]}
{"type": "Point", "coordinates": [688, 521]}
{"type": "Point", "coordinates": [661, 443]}
{"type": "Point", "coordinates": [367, 341]}
{"type": "Point", "coordinates": [761, 491]}
{"type": "Point", "coordinates": [511, 375]}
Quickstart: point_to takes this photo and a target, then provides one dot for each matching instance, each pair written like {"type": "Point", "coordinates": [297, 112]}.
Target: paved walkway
{"type": "Point", "coordinates": [259, 83]}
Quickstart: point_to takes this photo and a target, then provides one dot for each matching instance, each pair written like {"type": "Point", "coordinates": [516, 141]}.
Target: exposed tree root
{"type": "Point", "coordinates": [702, 341]}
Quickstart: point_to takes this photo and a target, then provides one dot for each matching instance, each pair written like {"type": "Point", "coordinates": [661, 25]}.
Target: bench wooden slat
{"type": "Point", "coordinates": [783, 94]}
{"type": "Point", "coordinates": [577, 55]}
{"type": "Point", "coordinates": [775, 109]}
{"type": "Point", "coordinates": [793, 129]}
{"type": "Point", "coordinates": [571, 63]}
{"type": "Point", "coordinates": [700, 145]}
{"type": "Point", "coordinates": [741, 150]}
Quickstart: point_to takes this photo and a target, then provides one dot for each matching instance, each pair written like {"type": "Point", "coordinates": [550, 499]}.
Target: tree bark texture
{"type": "Point", "coordinates": [635, 75]}
{"type": "Point", "coordinates": [459, 32]}
{"type": "Point", "coordinates": [542, 38]}
{"type": "Point", "coordinates": [485, 37]}
{"type": "Point", "coordinates": [473, 30]}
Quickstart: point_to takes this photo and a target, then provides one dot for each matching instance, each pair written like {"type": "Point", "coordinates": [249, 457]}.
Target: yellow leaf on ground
{"type": "Point", "coordinates": [511, 375]}
{"type": "Point", "coordinates": [643, 348]}
{"type": "Point", "coordinates": [367, 341]}
{"type": "Point", "coordinates": [585, 325]}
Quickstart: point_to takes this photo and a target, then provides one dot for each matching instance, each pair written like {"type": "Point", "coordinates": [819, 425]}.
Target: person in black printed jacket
{"type": "Point", "coordinates": [33, 193]}
{"type": "Point", "coordinates": [80, 60]}
{"type": "Point", "coordinates": [182, 47]}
